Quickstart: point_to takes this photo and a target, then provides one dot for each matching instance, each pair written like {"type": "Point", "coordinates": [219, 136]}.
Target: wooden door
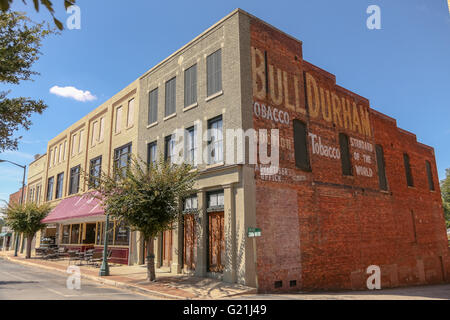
{"type": "Point", "coordinates": [190, 243]}
{"type": "Point", "coordinates": [167, 248]}
{"type": "Point", "coordinates": [216, 254]}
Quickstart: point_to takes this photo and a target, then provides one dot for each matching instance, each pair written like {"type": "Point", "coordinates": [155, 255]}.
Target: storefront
{"type": "Point", "coordinates": [81, 224]}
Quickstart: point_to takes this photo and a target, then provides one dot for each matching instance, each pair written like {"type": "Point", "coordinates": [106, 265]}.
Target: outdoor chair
{"type": "Point", "coordinates": [87, 255]}
{"type": "Point", "coordinates": [62, 252]}
{"type": "Point", "coordinates": [73, 256]}
{"type": "Point", "coordinates": [50, 254]}
{"type": "Point", "coordinates": [97, 257]}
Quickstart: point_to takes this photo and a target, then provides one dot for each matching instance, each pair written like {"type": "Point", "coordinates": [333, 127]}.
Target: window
{"type": "Point", "coordinates": [95, 170]}
{"type": "Point", "coordinates": [345, 155]}
{"type": "Point", "coordinates": [170, 97]}
{"type": "Point", "coordinates": [80, 145]}
{"type": "Point", "coordinates": [60, 153]}
{"type": "Point", "coordinates": [191, 146]}
{"type": "Point", "coordinates": [151, 153]}
{"type": "Point", "coordinates": [94, 133]}
{"type": "Point", "coordinates": [381, 167]}
{"type": "Point", "coordinates": [409, 178]}
{"type": "Point", "coordinates": [75, 234]}
{"type": "Point", "coordinates": [74, 180]}
{"type": "Point", "coordinates": [102, 129]}
{"type": "Point", "coordinates": [50, 188]}
{"type": "Point", "coordinates": [214, 72]}
{"type": "Point", "coordinates": [74, 141]}
{"type": "Point", "coordinates": [216, 201]}
{"type": "Point", "coordinates": [55, 153]}
{"type": "Point", "coordinates": [50, 158]}
{"type": "Point", "coordinates": [190, 204]}
{"type": "Point", "coordinates": [64, 152]}
{"type": "Point", "coordinates": [130, 114]}
{"type": "Point", "coordinates": [65, 234]}
{"type": "Point", "coordinates": [190, 86]}
{"type": "Point", "coordinates": [153, 106]}
{"type": "Point", "coordinates": [38, 194]}
{"type": "Point", "coordinates": [59, 185]}
{"type": "Point", "coordinates": [122, 157]}
{"type": "Point", "coordinates": [215, 140]}
{"type": "Point", "coordinates": [118, 120]}
{"type": "Point", "coordinates": [121, 234]}
{"type": "Point", "coordinates": [169, 148]}
{"type": "Point", "coordinates": [301, 145]}
{"type": "Point", "coordinates": [430, 175]}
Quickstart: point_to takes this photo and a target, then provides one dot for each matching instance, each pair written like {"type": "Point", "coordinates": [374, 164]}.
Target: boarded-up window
{"type": "Point", "coordinates": [409, 178]}
{"type": "Point", "coordinates": [381, 167]}
{"type": "Point", "coordinates": [171, 97]}
{"type": "Point", "coordinates": [130, 114]}
{"type": "Point", "coordinates": [153, 106]}
{"type": "Point", "coordinates": [55, 155]}
{"type": "Point", "coordinates": [94, 133]}
{"type": "Point", "coordinates": [190, 86]}
{"type": "Point", "coordinates": [80, 145]}
{"type": "Point", "coordinates": [429, 175]}
{"type": "Point", "coordinates": [301, 145]}
{"type": "Point", "coordinates": [64, 151]}
{"type": "Point", "coordinates": [214, 72]}
{"type": "Point", "coordinates": [60, 153]}
{"type": "Point", "coordinates": [74, 147]}
{"type": "Point", "coordinates": [102, 129]}
{"type": "Point", "coordinates": [345, 155]}
{"type": "Point", "coordinates": [118, 120]}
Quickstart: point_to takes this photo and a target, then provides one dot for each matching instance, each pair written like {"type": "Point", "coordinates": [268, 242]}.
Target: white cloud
{"type": "Point", "coordinates": [72, 92]}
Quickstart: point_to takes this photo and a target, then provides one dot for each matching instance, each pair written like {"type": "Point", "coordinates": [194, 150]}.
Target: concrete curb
{"type": "Point", "coordinates": [108, 282]}
{"type": "Point", "coordinates": [123, 285]}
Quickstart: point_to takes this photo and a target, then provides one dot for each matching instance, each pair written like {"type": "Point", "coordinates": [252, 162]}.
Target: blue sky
{"type": "Point", "coordinates": [403, 69]}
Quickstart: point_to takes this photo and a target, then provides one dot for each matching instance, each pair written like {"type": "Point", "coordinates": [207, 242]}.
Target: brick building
{"type": "Point", "coordinates": [351, 189]}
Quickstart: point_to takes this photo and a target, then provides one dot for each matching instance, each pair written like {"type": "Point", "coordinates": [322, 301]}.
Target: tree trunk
{"type": "Point", "coordinates": [29, 241]}
{"type": "Point", "coordinates": [151, 276]}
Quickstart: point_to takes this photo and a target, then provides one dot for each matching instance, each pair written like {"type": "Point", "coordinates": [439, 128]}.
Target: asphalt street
{"type": "Point", "coordinates": [19, 282]}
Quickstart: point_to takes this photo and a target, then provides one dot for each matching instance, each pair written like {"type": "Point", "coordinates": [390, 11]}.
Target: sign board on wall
{"type": "Point", "coordinates": [253, 232]}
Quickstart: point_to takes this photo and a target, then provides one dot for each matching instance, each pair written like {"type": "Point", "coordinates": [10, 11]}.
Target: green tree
{"type": "Point", "coordinates": [26, 219]}
{"type": "Point", "coordinates": [146, 198]}
{"type": "Point", "coordinates": [6, 4]}
{"type": "Point", "coordinates": [20, 41]}
{"type": "Point", "coordinates": [445, 191]}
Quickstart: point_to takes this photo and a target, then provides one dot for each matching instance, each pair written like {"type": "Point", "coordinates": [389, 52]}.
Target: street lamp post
{"type": "Point", "coordinates": [21, 197]}
{"type": "Point", "coordinates": [104, 269]}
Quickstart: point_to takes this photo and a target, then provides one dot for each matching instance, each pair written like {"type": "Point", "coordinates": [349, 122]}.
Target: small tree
{"type": "Point", "coordinates": [445, 190]}
{"type": "Point", "coordinates": [146, 198]}
{"type": "Point", "coordinates": [26, 219]}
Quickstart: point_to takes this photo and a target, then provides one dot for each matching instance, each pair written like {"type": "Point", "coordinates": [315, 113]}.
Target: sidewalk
{"type": "Point", "coordinates": [167, 286]}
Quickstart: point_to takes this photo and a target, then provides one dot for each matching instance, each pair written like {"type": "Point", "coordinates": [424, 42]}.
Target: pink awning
{"type": "Point", "coordinates": [75, 207]}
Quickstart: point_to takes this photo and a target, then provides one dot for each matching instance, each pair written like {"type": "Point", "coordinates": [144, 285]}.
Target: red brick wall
{"type": "Point", "coordinates": [15, 197]}
{"type": "Point", "coordinates": [322, 229]}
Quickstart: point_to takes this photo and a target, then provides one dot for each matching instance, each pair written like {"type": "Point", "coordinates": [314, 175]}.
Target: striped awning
{"type": "Point", "coordinates": [75, 207]}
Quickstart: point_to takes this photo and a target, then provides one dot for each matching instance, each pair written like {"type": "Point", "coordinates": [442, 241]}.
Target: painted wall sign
{"type": "Point", "coordinates": [278, 83]}
{"type": "Point", "coordinates": [328, 105]}
{"type": "Point", "coordinates": [361, 157]}
{"type": "Point", "coordinates": [270, 113]}
{"type": "Point", "coordinates": [323, 150]}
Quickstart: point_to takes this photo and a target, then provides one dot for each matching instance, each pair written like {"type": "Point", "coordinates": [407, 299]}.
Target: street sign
{"type": "Point", "coordinates": [254, 232]}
